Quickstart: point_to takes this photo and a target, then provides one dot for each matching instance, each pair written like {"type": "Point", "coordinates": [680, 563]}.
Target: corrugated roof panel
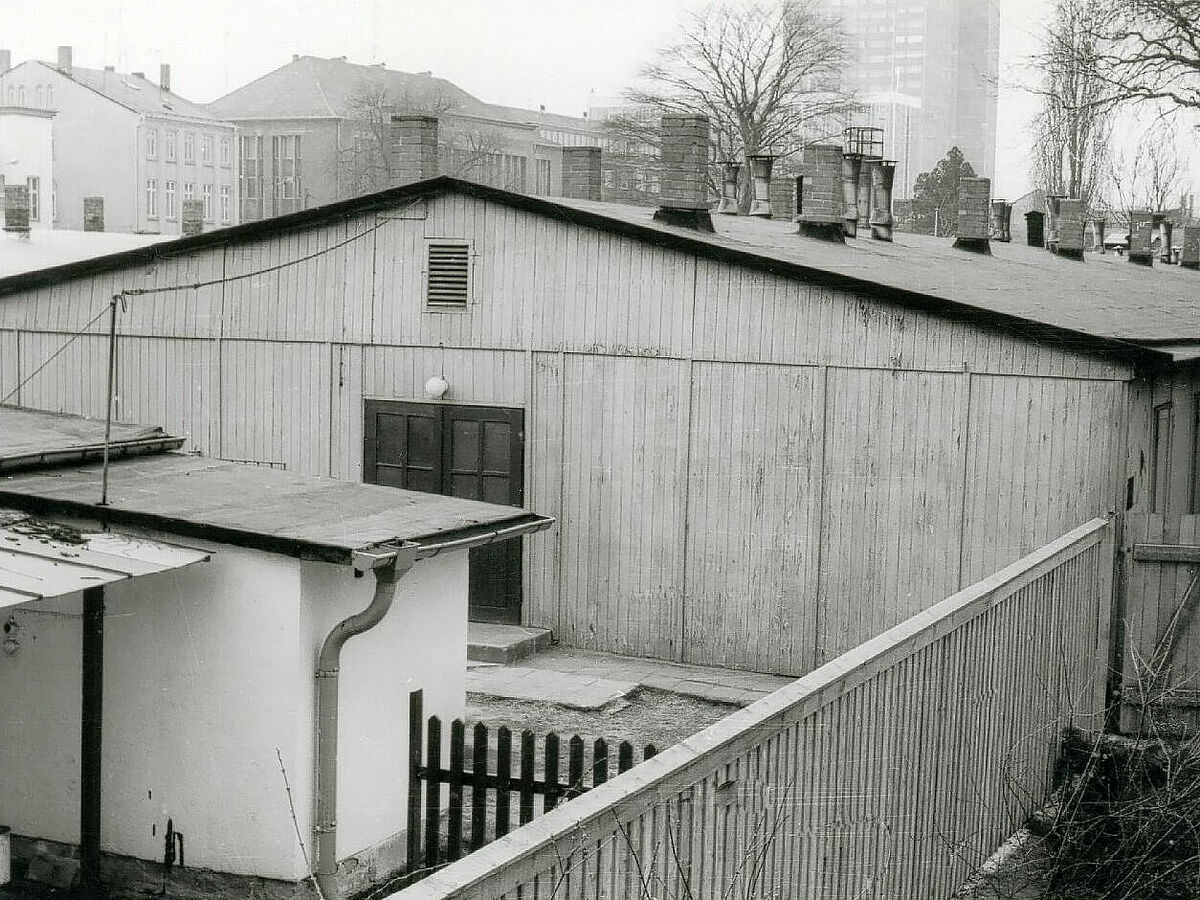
{"type": "Point", "coordinates": [41, 560]}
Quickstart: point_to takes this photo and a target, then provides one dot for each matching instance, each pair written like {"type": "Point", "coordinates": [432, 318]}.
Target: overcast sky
{"type": "Point", "coordinates": [516, 52]}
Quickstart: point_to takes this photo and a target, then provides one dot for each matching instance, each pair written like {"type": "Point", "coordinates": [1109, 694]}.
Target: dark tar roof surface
{"type": "Point", "coordinates": [268, 509]}
{"type": "Point", "coordinates": [30, 438]}
{"type": "Point", "coordinates": [1105, 304]}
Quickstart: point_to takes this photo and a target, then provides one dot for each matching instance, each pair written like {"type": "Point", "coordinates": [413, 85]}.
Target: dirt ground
{"type": "Point", "coordinates": [644, 717]}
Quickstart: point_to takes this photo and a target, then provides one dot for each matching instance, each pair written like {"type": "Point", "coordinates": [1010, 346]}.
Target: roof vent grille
{"type": "Point", "coordinates": [448, 279]}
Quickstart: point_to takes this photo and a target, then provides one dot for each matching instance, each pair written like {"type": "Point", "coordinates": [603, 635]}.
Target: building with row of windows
{"type": "Point", "coordinates": [179, 150]}
{"type": "Point", "coordinates": [317, 130]}
{"type": "Point", "coordinates": [26, 159]}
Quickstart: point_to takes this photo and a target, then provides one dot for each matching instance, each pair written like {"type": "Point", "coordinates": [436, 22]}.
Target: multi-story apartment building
{"type": "Point", "coordinates": [927, 71]}
{"type": "Point", "coordinates": [26, 158]}
{"type": "Point", "coordinates": [131, 142]}
{"type": "Point", "coordinates": [317, 130]}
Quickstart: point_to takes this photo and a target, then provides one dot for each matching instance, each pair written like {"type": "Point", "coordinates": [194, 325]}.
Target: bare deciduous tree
{"type": "Point", "coordinates": [1072, 128]}
{"type": "Point", "coordinates": [1151, 51]}
{"type": "Point", "coordinates": [764, 74]}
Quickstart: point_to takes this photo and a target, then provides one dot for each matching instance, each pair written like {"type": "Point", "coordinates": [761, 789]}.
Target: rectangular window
{"type": "Point", "coordinates": [250, 177]}
{"type": "Point", "coordinates": [1160, 486]}
{"type": "Point", "coordinates": [208, 203]}
{"type": "Point", "coordinates": [189, 146]}
{"type": "Point", "coordinates": [151, 198]}
{"type": "Point", "coordinates": [35, 198]}
{"type": "Point", "coordinates": [285, 158]}
{"type": "Point", "coordinates": [206, 149]}
{"type": "Point", "coordinates": [189, 191]}
{"type": "Point", "coordinates": [152, 143]}
{"type": "Point", "coordinates": [226, 208]}
{"type": "Point", "coordinates": [447, 274]}
{"type": "Point", "coordinates": [226, 151]}
{"type": "Point", "coordinates": [50, 96]}
{"type": "Point", "coordinates": [169, 193]}
{"type": "Point", "coordinates": [170, 143]}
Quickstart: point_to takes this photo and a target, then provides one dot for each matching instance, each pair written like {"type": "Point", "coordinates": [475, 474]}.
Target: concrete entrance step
{"type": "Point", "coordinates": [546, 686]}
{"type": "Point", "coordinates": [487, 642]}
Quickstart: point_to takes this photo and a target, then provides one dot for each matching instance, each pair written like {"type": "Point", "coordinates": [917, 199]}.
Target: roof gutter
{"type": "Point", "coordinates": [90, 453]}
{"type": "Point", "coordinates": [390, 563]}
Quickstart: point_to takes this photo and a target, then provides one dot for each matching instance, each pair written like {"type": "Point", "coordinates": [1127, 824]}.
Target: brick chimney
{"type": "Point", "coordinates": [192, 217]}
{"type": "Point", "coordinates": [851, 170]}
{"type": "Point", "coordinates": [1071, 219]}
{"type": "Point", "coordinates": [93, 213]}
{"type": "Point", "coordinates": [1190, 256]}
{"type": "Point", "coordinates": [1141, 238]}
{"type": "Point", "coordinates": [581, 177]}
{"type": "Point", "coordinates": [731, 174]}
{"type": "Point", "coordinates": [414, 148]}
{"type": "Point", "coordinates": [64, 59]}
{"type": "Point", "coordinates": [164, 77]}
{"type": "Point", "coordinates": [5, 60]}
{"type": "Point", "coordinates": [783, 197]}
{"type": "Point", "coordinates": [819, 203]}
{"type": "Point", "coordinates": [760, 175]}
{"type": "Point", "coordinates": [883, 176]}
{"type": "Point", "coordinates": [16, 208]}
{"type": "Point", "coordinates": [683, 191]}
{"type": "Point", "coordinates": [974, 200]}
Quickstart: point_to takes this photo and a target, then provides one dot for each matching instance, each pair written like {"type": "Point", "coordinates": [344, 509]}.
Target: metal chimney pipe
{"type": "Point", "coordinates": [999, 208]}
{"type": "Point", "coordinates": [760, 172]}
{"type": "Point", "coordinates": [1168, 231]}
{"type": "Point", "coordinates": [731, 173]}
{"type": "Point", "coordinates": [866, 180]}
{"type": "Point", "coordinates": [883, 176]}
{"type": "Point", "coordinates": [851, 169]}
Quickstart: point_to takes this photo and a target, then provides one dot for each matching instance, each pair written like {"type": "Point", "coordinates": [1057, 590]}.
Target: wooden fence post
{"type": "Point", "coordinates": [503, 775]}
{"type": "Point", "coordinates": [1107, 607]}
{"type": "Point", "coordinates": [454, 837]}
{"type": "Point", "coordinates": [479, 768]}
{"type": "Point", "coordinates": [551, 772]}
{"type": "Point", "coordinates": [416, 723]}
{"type": "Point", "coordinates": [527, 762]}
{"type": "Point", "coordinates": [433, 791]}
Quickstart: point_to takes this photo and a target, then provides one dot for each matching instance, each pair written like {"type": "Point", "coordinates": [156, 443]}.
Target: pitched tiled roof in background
{"type": "Point", "coordinates": [134, 92]}
{"type": "Point", "coordinates": [312, 87]}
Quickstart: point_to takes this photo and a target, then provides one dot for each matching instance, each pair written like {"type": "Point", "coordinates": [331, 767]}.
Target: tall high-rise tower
{"type": "Point", "coordinates": [927, 71]}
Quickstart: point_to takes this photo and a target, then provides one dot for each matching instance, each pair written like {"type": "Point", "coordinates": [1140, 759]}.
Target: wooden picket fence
{"type": "Point", "coordinates": [488, 815]}
{"type": "Point", "coordinates": [891, 771]}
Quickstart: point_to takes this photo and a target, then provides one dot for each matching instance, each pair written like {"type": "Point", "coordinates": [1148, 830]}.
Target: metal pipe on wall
{"type": "Point", "coordinates": [90, 747]}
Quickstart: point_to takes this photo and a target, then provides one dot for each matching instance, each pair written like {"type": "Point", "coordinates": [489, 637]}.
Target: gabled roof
{"type": "Point", "coordinates": [1100, 306]}
{"type": "Point", "coordinates": [313, 87]}
{"type": "Point", "coordinates": [139, 94]}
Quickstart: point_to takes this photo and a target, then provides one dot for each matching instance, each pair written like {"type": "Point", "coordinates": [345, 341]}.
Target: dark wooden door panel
{"type": "Point", "coordinates": [472, 452]}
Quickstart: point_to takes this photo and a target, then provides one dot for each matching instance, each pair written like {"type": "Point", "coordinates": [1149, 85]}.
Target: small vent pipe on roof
{"type": "Point", "coordinates": [851, 170]}
{"type": "Point", "coordinates": [1167, 252]}
{"type": "Point", "coordinates": [731, 173]}
{"type": "Point", "coordinates": [866, 188]}
{"type": "Point", "coordinates": [760, 174]}
{"type": "Point", "coordinates": [883, 177]}
{"type": "Point", "coordinates": [1001, 221]}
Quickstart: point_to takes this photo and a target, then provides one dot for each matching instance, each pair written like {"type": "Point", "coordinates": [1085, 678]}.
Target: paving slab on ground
{"type": "Point", "coordinates": [705, 682]}
{"type": "Point", "coordinates": [576, 690]}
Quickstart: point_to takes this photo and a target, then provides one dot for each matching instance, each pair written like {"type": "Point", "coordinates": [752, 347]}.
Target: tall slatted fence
{"type": "Point", "coordinates": [892, 771]}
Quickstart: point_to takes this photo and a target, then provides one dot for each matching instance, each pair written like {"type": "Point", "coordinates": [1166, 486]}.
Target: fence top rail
{"type": "Point", "coordinates": [595, 814]}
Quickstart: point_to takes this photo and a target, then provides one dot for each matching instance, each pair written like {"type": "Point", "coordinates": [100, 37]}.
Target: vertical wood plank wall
{"type": "Point", "coordinates": [747, 470]}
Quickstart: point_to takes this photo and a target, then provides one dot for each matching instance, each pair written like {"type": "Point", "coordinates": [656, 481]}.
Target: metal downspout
{"type": "Point", "coordinates": [389, 567]}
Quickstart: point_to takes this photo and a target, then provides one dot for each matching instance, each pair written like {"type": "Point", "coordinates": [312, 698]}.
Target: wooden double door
{"type": "Point", "coordinates": [472, 452]}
